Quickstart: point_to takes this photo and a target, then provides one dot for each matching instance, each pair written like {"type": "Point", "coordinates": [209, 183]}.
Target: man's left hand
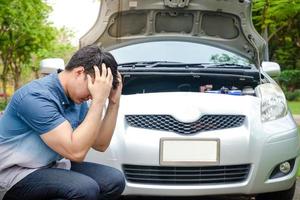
{"type": "Point", "coordinates": [115, 94]}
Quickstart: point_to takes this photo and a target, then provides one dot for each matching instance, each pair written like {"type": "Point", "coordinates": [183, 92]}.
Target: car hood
{"type": "Point", "coordinates": [225, 24]}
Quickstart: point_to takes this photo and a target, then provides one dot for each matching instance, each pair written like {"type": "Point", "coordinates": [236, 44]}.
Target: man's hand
{"type": "Point", "coordinates": [101, 87]}
{"type": "Point", "coordinates": [115, 94]}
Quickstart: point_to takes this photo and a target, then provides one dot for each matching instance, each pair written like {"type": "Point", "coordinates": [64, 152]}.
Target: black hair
{"type": "Point", "coordinates": [92, 55]}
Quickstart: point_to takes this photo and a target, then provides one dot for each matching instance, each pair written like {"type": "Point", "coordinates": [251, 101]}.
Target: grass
{"type": "Point", "coordinates": [294, 107]}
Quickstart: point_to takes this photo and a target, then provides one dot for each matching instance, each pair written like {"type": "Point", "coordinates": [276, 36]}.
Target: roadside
{"type": "Point", "coordinates": [297, 192]}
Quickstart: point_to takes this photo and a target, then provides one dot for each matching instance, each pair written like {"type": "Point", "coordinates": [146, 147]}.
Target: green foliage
{"type": "Point", "coordinates": [289, 80]}
{"type": "Point", "coordinates": [3, 104]}
{"type": "Point", "coordinates": [281, 19]}
{"type": "Point", "coordinates": [292, 96]}
{"type": "Point", "coordinates": [23, 31]}
{"type": "Point", "coordinates": [26, 37]}
{"type": "Point", "coordinates": [61, 47]}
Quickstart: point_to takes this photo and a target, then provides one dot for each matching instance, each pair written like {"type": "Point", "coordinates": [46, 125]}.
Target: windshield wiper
{"type": "Point", "coordinates": [144, 63]}
{"type": "Point", "coordinates": [162, 64]}
{"type": "Point", "coordinates": [158, 64]}
{"type": "Point", "coordinates": [227, 66]}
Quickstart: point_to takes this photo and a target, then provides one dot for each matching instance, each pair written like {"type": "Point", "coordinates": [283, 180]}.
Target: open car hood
{"type": "Point", "coordinates": [225, 24]}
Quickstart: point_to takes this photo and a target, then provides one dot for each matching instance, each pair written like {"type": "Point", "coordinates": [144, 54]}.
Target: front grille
{"type": "Point", "coordinates": [169, 123]}
{"type": "Point", "coordinates": [186, 175]}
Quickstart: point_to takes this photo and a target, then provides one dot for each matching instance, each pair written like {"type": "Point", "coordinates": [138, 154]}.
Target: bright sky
{"type": "Point", "coordinates": [77, 15]}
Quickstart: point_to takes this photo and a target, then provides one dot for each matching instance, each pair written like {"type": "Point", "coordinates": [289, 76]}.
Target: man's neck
{"type": "Point", "coordinates": [63, 77]}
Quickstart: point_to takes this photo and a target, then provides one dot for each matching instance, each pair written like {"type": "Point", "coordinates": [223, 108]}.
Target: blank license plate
{"type": "Point", "coordinates": [189, 151]}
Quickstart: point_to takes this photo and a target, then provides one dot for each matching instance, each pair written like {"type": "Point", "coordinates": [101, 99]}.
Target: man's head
{"type": "Point", "coordinates": [81, 64]}
{"type": "Point", "coordinates": [89, 56]}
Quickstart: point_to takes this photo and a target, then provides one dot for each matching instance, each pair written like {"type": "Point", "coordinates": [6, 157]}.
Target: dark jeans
{"type": "Point", "coordinates": [85, 181]}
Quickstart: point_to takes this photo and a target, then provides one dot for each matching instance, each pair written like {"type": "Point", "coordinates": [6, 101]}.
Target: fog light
{"type": "Point", "coordinates": [285, 167]}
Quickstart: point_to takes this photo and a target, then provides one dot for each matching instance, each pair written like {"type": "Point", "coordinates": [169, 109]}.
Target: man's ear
{"type": "Point", "coordinates": [78, 71]}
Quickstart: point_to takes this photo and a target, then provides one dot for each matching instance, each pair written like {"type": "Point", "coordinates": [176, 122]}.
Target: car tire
{"type": "Point", "coordinates": [286, 195]}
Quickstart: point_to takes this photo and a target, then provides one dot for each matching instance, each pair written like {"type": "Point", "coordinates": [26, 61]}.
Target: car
{"type": "Point", "coordinates": [200, 113]}
{"type": "Point", "coordinates": [51, 65]}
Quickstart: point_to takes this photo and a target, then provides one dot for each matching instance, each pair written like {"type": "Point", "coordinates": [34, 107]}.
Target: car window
{"type": "Point", "coordinates": [175, 51]}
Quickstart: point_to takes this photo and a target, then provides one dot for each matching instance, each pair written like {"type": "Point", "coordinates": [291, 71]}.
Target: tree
{"type": "Point", "coordinates": [61, 47]}
{"type": "Point", "coordinates": [23, 32]}
{"type": "Point", "coordinates": [279, 22]}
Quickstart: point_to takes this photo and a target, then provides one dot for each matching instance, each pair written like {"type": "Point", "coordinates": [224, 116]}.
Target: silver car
{"type": "Point", "coordinates": [200, 113]}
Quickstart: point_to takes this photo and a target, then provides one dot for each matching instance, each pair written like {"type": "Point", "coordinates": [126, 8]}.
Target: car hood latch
{"type": "Point", "coordinates": [176, 3]}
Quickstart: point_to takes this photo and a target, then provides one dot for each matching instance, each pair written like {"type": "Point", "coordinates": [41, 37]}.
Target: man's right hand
{"type": "Point", "coordinates": [102, 84]}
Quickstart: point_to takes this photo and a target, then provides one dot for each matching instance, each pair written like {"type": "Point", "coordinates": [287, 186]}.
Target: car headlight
{"type": "Point", "coordinates": [273, 103]}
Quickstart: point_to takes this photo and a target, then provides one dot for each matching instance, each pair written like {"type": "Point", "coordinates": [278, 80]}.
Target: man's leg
{"type": "Point", "coordinates": [110, 180]}
{"type": "Point", "coordinates": [54, 183]}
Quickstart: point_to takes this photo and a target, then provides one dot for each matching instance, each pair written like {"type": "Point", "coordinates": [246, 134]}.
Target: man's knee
{"type": "Point", "coordinates": [118, 183]}
{"type": "Point", "coordinates": [87, 189]}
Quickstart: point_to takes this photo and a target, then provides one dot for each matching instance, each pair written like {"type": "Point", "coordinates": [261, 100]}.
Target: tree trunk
{"type": "Point", "coordinates": [36, 74]}
{"type": "Point", "coordinates": [17, 74]}
{"type": "Point", "coordinates": [4, 77]}
{"type": "Point", "coordinates": [4, 85]}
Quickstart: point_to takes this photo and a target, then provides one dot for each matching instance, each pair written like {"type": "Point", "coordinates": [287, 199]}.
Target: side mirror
{"type": "Point", "coordinates": [51, 65]}
{"type": "Point", "coordinates": [271, 68]}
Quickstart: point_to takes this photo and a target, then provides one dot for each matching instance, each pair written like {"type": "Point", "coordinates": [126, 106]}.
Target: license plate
{"type": "Point", "coordinates": [185, 152]}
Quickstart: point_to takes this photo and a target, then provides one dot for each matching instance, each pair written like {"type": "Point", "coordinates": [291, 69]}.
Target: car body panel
{"type": "Point", "coordinates": [262, 145]}
{"type": "Point", "coordinates": [226, 24]}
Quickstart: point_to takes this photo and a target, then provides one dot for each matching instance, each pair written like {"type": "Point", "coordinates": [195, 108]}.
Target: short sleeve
{"type": "Point", "coordinates": [39, 112]}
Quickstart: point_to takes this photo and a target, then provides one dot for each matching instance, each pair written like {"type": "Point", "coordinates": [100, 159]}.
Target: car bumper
{"type": "Point", "coordinates": [263, 151]}
{"type": "Point", "coordinates": [257, 182]}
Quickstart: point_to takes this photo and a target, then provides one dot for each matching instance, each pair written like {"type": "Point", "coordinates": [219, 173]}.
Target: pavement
{"type": "Point", "coordinates": [297, 192]}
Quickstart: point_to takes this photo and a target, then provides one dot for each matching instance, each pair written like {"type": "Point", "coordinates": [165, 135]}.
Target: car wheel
{"type": "Point", "coordinates": [286, 195]}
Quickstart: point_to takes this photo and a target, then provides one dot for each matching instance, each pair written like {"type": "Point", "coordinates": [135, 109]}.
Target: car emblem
{"type": "Point", "coordinates": [188, 114]}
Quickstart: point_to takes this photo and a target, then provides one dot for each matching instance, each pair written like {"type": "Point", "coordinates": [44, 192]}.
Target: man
{"type": "Point", "coordinates": [48, 119]}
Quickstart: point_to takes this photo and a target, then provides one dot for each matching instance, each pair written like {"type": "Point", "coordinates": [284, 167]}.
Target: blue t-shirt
{"type": "Point", "coordinates": [35, 109]}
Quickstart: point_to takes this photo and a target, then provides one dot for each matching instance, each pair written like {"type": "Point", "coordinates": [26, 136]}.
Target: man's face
{"type": "Point", "coordinates": [78, 88]}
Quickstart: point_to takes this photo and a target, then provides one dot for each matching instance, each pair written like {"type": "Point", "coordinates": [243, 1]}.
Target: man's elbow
{"type": "Point", "coordinates": [77, 157]}
{"type": "Point", "coordinates": [101, 148]}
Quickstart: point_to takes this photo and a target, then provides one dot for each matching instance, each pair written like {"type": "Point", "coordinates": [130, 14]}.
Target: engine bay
{"type": "Point", "coordinates": [231, 85]}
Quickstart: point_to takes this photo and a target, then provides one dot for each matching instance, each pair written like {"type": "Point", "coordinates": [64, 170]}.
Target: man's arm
{"type": "Point", "coordinates": [74, 145]}
{"type": "Point", "coordinates": [107, 127]}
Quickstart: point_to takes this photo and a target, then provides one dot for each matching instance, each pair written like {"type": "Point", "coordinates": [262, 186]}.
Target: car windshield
{"type": "Point", "coordinates": [175, 51]}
